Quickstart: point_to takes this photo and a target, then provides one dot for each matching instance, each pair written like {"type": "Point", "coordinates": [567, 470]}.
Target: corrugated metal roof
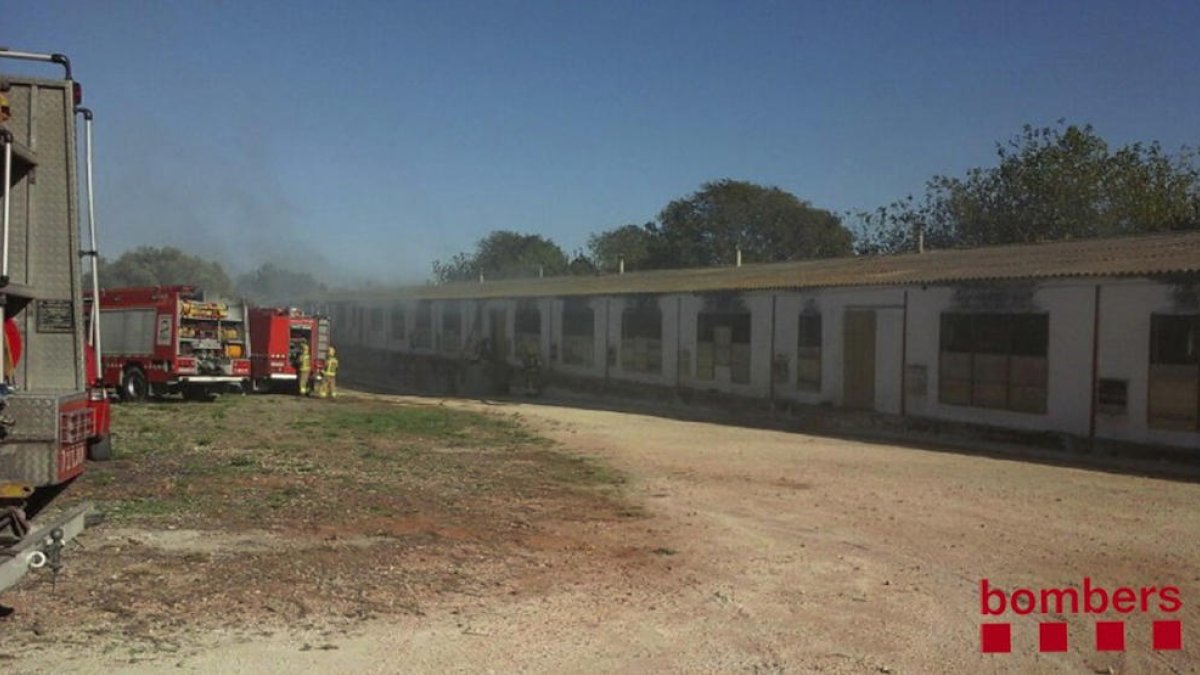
{"type": "Point", "coordinates": [1153, 255]}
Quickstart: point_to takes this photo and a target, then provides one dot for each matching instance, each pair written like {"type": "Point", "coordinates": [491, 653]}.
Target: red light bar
{"type": "Point", "coordinates": [77, 92]}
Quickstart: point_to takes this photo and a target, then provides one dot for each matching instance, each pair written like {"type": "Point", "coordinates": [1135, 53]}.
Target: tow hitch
{"type": "Point", "coordinates": [43, 546]}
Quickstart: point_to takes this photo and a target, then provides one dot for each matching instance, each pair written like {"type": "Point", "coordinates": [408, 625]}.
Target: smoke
{"type": "Point", "coordinates": [208, 196]}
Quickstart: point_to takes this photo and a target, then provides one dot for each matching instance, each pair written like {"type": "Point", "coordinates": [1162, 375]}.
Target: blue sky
{"type": "Point", "coordinates": [366, 139]}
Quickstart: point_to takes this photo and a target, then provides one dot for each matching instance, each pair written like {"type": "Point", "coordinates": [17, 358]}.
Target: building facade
{"type": "Point", "coordinates": [1095, 339]}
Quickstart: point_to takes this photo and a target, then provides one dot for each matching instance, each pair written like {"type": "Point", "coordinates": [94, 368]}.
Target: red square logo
{"type": "Point", "coordinates": [1110, 636]}
{"type": "Point", "coordinates": [995, 638]}
{"type": "Point", "coordinates": [1052, 637]}
{"type": "Point", "coordinates": [1168, 635]}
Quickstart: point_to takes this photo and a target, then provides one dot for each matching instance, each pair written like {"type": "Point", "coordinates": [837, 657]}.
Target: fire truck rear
{"type": "Point", "coordinates": [277, 335]}
{"type": "Point", "coordinates": [47, 418]}
{"type": "Point", "coordinates": [172, 339]}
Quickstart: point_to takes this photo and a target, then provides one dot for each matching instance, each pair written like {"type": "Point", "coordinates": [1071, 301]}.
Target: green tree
{"type": "Point", "coordinates": [637, 244]}
{"type": "Point", "coordinates": [767, 223]}
{"type": "Point", "coordinates": [504, 255]}
{"type": "Point", "coordinates": [1050, 183]}
{"type": "Point", "coordinates": [581, 265]}
{"type": "Point", "coordinates": [272, 284]}
{"type": "Point", "coordinates": [153, 266]}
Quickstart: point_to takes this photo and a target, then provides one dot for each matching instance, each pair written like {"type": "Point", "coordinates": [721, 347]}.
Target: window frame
{"type": "Point", "coordinates": [723, 328]}
{"type": "Point", "coordinates": [578, 346]}
{"type": "Point", "coordinates": [637, 352]}
{"type": "Point", "coordinates": [1002, 360]}
{"type": "Point", "coordinates": [808, 352]}
{"type": "Point", "coordinates": [1173, 379]}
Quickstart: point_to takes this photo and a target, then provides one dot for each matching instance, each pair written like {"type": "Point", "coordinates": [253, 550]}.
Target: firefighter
{"type": "Point", "coordinates": [304, 368]}
{"type": "Point", "coordinates": [329, 376]}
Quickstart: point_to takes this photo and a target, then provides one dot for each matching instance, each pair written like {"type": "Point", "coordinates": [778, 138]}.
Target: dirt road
{"type": "Point", "coordinates": [765, 551]}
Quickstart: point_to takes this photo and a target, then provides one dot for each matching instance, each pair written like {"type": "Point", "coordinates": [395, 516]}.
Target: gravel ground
{"type": "Point", "coordinates": [758, 551]}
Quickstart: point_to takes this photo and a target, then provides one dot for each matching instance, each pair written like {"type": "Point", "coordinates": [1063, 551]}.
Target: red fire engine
{"type": "Point", "coordinates": [277, 335]}
{"type": "Point", "coordinates": [171, 339]}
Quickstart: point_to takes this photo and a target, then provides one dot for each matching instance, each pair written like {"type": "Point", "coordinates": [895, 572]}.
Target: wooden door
{"type": "Point", "coordinates": [858, 359]}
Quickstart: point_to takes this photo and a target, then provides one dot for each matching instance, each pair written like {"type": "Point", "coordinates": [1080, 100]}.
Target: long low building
{"type": "Point", "coordinates": [1091, 338]}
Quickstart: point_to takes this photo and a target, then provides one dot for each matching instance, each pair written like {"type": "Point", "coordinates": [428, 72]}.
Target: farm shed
{"type": "Point", "coordinates": [1093, 338]}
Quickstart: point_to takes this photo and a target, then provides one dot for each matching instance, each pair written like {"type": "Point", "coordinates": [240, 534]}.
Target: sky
{"type": "Point", "coordinates": [363, 140]}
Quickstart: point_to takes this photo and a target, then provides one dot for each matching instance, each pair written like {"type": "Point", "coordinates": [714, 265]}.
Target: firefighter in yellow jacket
{"type": "Point", "coordinates": [303, 368]}
{"type": "Point", "coordinates": [329, 376]}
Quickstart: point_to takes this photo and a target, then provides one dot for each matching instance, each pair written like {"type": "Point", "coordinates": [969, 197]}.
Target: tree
{"type": "Point", "coordinates": [504, 255]}
{"type": "Point", "coordinates": [581, 265]}
{"type": "Point", "coordinates": [152, 266]}
{"type": "Point", "coordinates": [637, 244]}
{"type": "Point", "coordinates": [1050, 184]}
{"type": "Point", "coordinates": [767, 223]}
{"type": "Point", "coordinates": [272, 284]}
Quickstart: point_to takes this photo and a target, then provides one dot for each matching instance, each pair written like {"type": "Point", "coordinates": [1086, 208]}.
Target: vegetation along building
{"type": "Point", "coordinates": [1090, 338]}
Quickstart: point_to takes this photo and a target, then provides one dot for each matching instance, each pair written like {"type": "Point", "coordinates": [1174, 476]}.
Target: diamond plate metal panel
{"type": "Point", "coordinates": [31, 462]}
{"type": "Point", "coordinates": [44, 242]}
{"type": "Point", "coordinates": [31, 452]}
{"type": "Point", "coordinates": [36, 417]}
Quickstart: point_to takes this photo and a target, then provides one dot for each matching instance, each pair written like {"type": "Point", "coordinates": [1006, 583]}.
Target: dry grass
{"type": "Point", "coordinates": [277, 510]}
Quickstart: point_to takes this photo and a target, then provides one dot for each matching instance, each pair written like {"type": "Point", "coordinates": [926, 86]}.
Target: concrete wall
{"type": "Point", "coordinates": [1068, 397]}
{"type": "Point", "coordinates": [902, 386]}
{"type": "Point", "coordinates": [1125, 310]}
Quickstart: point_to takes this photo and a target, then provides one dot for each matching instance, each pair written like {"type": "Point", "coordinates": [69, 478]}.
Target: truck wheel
{"type": "Point", "coordinates": [101, 449]}
{"type": "Point", "coordinates": [134, 388]}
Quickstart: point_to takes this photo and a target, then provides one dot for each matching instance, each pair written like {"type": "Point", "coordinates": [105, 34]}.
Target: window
{"type": "Point", "coordinates": [398, 322]}
{"type": "Point", "coordinates": [808, 353]}
{"type": "Point", "coordinates": [422, 337]}
{"type": "Point", "coordinates": [1112, 396]}
{"type": "Point", "coordinates": [641, 337]}
{"type": "Point", "coordinates": [994, 361]}
{"type": "Point", "coordinates": [1174, 383]}
{"type": "Point", "coordinates": [450, 337]}
{"type": "Point", "coordinates": [499, 326]}
{"type": "Point", "coordinates": [579, 333]}
{"type": "Point", "coordinates": [723, 341]}
{"type": "Point", "coordinates": [376, 317]}
{"type": "Point", "coordinates": [528, 329]}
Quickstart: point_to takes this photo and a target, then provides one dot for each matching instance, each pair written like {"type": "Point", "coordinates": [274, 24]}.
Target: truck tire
{"type": "Point", "coordinates": [134, 387]}
{"type": "Point", "coordinates": [101, 449]}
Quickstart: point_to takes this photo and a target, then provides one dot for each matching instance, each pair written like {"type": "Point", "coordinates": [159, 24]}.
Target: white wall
{"type": "Point", "coordinates": [1126, 307]}
{"type": "Point", "coordinates": [668, 305]}
{"type": "Point", "coordinates": [1069, 359]}
{"type": "Point", "coordinates": [832, 304]}
{"type": "Point", "coordinates": [1125, 310]}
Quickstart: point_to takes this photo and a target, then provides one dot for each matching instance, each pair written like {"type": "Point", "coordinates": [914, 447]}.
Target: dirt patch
{"type": "Point", "coordinates": [264, 513]}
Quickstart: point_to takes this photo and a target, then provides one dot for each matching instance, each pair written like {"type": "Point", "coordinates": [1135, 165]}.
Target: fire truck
{"type": "Point", "coordinates": [277, 334]}
{"type": "Point", "coordinates": [52, 407]}
{"type": "Point", "coordinates": [172, 339]}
